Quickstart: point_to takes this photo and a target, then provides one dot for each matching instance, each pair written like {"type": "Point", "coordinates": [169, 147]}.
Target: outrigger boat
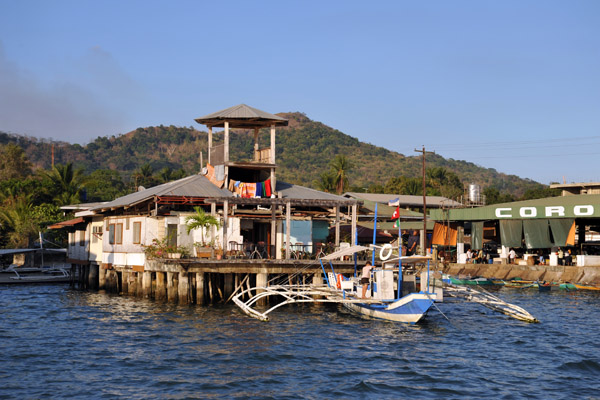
{"type": "Point", "coordinates": [386, 298]}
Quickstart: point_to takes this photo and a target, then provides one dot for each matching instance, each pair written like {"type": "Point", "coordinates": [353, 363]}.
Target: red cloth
{"type": "Point", "coordinates": [268, 188]}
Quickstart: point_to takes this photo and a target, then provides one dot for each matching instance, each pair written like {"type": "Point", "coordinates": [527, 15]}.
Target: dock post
{"type": "Point", "coordinates": [200, 288]}
{"type": "Point", "coordinates": [147, 284]}
{"type": "Point", "coordinates": [93, 277]}
{"type": "Point", "coordinates": [139, 287]}
{"type": "Point", "coordinates": [183, 288]}
{"type": "Point", "coordinates": [261, 281]}
{"type": "Point", "coordinates": [171, 293]}
{"type": "Point", "coordinates": [101, 278]}
{"type": "Point", "coordinates": [125, 282]}
{"type": "Point", "coordinates": [227, 285]}
{"type": "Point", "coordinates": [161, 289]}
{"type": "Point", "coordinates": [132, 283]}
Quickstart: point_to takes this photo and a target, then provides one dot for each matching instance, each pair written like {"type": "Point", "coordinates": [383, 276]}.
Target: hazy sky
{"type": "Point", "coordinates": [510, 85]}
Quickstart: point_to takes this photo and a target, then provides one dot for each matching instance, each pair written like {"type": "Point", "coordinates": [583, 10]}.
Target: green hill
{"type": "Point", "coordinates": [304, 150]}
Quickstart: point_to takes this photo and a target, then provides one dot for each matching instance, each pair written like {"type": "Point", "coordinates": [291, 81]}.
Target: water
{"type": "Point", "coordinates": [62, 343]}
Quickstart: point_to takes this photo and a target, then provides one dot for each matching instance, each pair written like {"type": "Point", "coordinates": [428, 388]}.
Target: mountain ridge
{"type": "Point", "coordinates": [304, 149]}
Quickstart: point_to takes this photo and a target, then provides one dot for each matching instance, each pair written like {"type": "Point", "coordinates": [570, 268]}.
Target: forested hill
{"type": "Point", "coordinates": [304, 150]}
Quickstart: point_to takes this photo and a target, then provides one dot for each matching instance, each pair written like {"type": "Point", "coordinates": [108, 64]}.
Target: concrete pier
{"type": "Point", "coordinates": [161, 286]}
{"type": "Point", "coordinates": [183, 288]}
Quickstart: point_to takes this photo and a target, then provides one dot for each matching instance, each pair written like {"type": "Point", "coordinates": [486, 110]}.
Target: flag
{"type": "Point", "coordinates": [397, 224]}
{"type": "Point", "coordinates": [396, 213]}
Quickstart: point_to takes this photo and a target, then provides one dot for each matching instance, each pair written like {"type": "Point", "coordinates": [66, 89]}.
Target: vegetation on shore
{"type": "Point", "coordinates": [309, 153]}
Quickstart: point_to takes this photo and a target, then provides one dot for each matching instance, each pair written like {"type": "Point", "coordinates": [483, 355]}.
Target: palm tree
{"type": "Point", "coordinates": [17, 221]}
{"type": "Point", "coordinates": [325, 182]}
{"type": "Point", "coordinates": [340, 167]}
{"type": "Point", "coordinates": [412, 187]}
{"type": "Point", "coordinates": [66, 183]}
{"type": "Point", "coordinates": [201, 220]}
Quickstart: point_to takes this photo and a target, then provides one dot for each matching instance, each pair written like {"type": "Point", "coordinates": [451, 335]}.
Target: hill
{"type": "Point", "coordinates": [304, 150]}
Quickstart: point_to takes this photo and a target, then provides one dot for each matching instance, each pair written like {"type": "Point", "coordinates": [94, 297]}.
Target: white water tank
{"type": "Point", "coordinates": [474, 193]}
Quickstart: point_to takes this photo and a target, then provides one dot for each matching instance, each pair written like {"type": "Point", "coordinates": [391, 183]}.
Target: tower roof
{"type": "Point", "coordinates": [242, 116]}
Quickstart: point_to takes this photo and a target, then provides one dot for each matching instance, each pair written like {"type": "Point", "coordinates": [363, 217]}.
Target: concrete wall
{"type": "Point", "coordinates": [580, 275]}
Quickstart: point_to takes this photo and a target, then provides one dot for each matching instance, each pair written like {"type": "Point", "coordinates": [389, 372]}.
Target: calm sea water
{"type": "Point", "coordinates": [62, 343]}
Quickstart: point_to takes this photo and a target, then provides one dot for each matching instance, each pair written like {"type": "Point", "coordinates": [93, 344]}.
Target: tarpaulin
{"type": "Point", "coordinates": [561, 231]}
{"type": "Point", "coordinates": [511, 232]}
{"type": "Point", "coordinates": [537, 233]}
{"type": "Point", "coordinates": [444, 235]}
{"type": "Point", "coordinates": [477, 235]}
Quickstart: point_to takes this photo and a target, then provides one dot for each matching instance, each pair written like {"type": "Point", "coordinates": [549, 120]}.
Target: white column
{"type": "Point", "coordinates": [209, 142]}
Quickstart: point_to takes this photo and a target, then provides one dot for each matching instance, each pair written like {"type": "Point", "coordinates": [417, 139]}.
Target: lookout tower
{"type": "Point", "coordinates": [261, 166]}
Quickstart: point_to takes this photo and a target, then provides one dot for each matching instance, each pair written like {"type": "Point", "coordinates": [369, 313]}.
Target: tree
{"type": "Point", "coordinates": [17, 221]}
{"type": "Point", "coordinates": [64, 183]}
{"type": "Point", "coordinates": [325, 182]}
{"type": "Point", "coordinates": [340, 166]}
{"type": "Point", "coordinates": [143, 176]}
{"type": "Point", "coordinates": [13, 162]}
{"type": "Point", "coordinates": [493, 196]}
{"type": "Point", "coordinates": [104, 185]}
{"type": "Point", "coordinates": [201, 220]}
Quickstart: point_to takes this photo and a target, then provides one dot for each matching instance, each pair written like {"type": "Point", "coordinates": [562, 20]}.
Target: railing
{"type": "Point", "coordinates": [263, 155]}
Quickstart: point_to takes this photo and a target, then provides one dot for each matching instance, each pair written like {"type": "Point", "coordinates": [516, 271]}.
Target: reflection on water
{"type": "Point", "coordinates": [60, 343]}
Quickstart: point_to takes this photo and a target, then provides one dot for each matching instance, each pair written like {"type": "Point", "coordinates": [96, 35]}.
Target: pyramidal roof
{"type": "Point", "coordinates": [242, 116]}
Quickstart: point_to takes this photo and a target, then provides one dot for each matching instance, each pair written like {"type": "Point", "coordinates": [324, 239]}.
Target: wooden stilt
{"type": "Point", "coordinates": [210, 290]}
{"type": "Point", "coordinates": [200, 288]}
{"type": "Point", "coordinates": [101, 278]}
{"type": "Point", "coordinates": [183, 288]}
{"type": "Point", "coordinates": [261, 281]}
{"type": "Point", "coordinates": [161, 288]}
{"type": "Point", "coordinates": [238, 288]}
{"type": "Point", "coordinates": [147, 284]}
{"type": "Point", "coordinates": [171, 292]}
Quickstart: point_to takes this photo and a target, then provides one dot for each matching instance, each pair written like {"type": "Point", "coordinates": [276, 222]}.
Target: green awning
{"type": "Point", "coordinates": [477, 235]}
{"type": "Point", "coordinates": [511, 232]}
{"type": "Point", "coordinates": [560, 230]}
{"type": "Point", "coordinates": [537, 233]}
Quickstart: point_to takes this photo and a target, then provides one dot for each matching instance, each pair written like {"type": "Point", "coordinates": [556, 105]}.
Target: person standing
{"type": "Point", "coordinates": [413, 241]}
{"type": "Point", "coordinates": [511, 256]}
{"type": "Point", "coordinates": [365, 278]}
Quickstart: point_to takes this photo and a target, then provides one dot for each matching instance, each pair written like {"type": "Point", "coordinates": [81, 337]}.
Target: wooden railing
{"type": "Point", "coordinates": [263, 155]}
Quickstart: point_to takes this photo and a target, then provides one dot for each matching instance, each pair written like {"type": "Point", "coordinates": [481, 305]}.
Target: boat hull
{"type": "Point", "coordinates": [409, 309]}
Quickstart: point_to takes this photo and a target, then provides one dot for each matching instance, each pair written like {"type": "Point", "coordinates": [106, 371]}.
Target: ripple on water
{"type": "Point", "coordinates": [61, 343]}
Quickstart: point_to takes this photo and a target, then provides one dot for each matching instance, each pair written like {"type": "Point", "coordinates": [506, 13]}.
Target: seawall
{"type": "Point", "coordinates": [561, 274]}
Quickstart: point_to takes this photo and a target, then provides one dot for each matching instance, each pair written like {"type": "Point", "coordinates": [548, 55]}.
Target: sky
{"type": "Point", "coordinates": [512, 85]}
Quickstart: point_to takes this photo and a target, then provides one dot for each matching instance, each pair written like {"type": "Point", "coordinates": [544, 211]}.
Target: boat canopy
{"type": "Point", "coordinates": [348, 251]}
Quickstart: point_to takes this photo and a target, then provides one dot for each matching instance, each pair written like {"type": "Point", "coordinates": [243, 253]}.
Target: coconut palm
{"type": "Point", "coordinates": [17, 221]}
{"type": "Point", "coordinates": [325, 182]}
{"type": "Point", "coordinates": [340, 167]}
{"type": "Point", "coordinates": [201, 220]}
{"type": "Point", "coordinates": [65, 183]}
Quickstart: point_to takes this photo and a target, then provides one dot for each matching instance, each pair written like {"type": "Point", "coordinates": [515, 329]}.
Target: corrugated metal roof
{"type": "Point", "coordinates": [242, 116]}
{"type": "Point", "coordinates": [191, 186]}
{"type": "Point", "coordinates": [291, 191]}
{"type": "Point", "coordinates": [70, 222]}
{"type": "Point", "coordinates": [384, 210]}
{"type": "Point", "coordinates": [404, 200]}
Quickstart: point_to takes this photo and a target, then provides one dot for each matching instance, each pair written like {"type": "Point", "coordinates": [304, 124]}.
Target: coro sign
{"type": "Point", "coordinates": [548, 211]}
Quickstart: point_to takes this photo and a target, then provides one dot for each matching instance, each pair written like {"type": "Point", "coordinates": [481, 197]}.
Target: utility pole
{"type": "Point", "coordinates": [424, 198]}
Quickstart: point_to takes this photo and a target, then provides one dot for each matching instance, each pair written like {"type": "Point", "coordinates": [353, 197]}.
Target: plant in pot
{"type": "Point", "coordinates": [201, 220]}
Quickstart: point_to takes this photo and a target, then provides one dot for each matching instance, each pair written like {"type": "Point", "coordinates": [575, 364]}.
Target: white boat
{"type": "Point", "coordinates": [52, 269]}
{"type": "Point", "coordinates": [387, 298]}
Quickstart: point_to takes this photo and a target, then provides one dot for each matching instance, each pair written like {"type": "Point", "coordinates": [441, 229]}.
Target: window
{"type": "Point", "coordinates": [119, 234]}
{"type": "Point", "coordinates": [111, 233]}
{"type": "Point", "coordinates": [137, 232]}
{"type": "Point", "coordinates": [82, 238]}
{"type": "Point", "coordinates": [115, 233]}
